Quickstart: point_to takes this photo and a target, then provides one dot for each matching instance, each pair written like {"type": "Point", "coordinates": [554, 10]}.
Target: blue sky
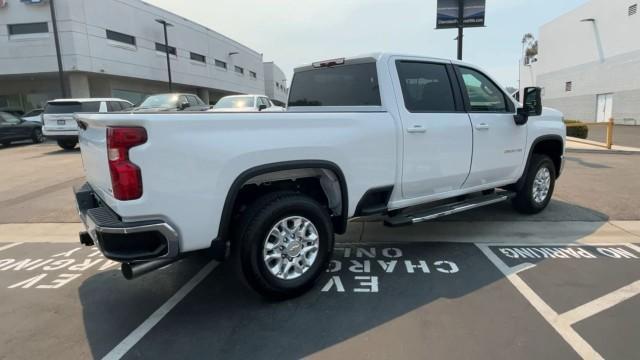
{"type": "Point", "coordinates": [294, 32]}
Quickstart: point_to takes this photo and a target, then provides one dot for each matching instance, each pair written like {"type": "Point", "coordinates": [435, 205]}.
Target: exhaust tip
{"type": "Point", "coordinates": [85, 239]}
{"type": "Point", "coordinates": [132, 270]}
{"type": "Point", "coordinates": [127, 271]}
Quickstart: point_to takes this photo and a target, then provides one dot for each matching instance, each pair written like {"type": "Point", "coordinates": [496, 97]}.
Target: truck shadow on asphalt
{"type": "Point", "coordinates": [62, 152]}
{"type": "Point", "coordinates": [367, 288]}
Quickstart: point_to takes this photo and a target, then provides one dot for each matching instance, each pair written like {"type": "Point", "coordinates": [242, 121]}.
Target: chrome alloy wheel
{"type": "Point", "coordinates": [291, 247]}
{"type": "Point", "coordinates": [541, 185]}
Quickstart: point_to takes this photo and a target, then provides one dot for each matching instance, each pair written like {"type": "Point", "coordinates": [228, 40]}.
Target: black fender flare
{"type": "Point", "coordinates": [340, 224]}
{"type": "Point", "coordinates": [535, 142]}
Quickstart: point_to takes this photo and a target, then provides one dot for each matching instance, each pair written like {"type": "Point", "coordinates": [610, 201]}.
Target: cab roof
{"type": "Point", "coordinates": [375, 57]}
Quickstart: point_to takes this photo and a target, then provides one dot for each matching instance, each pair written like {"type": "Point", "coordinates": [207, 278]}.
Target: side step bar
{"type": "Point", "coordinates": [404, 219]}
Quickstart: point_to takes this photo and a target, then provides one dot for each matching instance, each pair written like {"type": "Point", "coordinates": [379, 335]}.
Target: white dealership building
{"type": "Point", "coordinates": [275, 83]}
{"type": "Point", "coordinates": [588, 62]}
{"type": "Point", "coordinates": [115, 48]}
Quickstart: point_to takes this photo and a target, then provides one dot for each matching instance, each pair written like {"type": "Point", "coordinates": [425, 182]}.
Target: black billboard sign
{"type": "Point", "coordinates": [448, 13]}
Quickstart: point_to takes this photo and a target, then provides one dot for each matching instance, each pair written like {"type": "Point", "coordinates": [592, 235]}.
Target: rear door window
{"type": "Point", "coordinates": [343, 85]}
{"type": "Point", "coordinates": [426, 87]}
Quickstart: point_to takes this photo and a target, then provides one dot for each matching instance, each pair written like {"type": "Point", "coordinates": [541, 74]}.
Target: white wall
{"type": "Point", "coordinates": [273, 75]}
{"type": "Point", "coordinates": [601, 57]}
{"type": "Point", "coordinates": [82, 25]}
{"type": "Point", "coordinates": [570, 42]}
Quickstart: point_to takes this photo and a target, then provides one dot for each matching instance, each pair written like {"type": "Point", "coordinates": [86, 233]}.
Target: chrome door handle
{"type": "Point", "coordinates": [416, 129]}
{"type": "Point", "coordinates": [482, 126]}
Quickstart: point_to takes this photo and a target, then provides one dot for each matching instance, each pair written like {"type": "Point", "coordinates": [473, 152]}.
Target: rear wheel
{"type": "Point", "coordinates": [284, 243]}
{"type": "Point", "coordinates": [68, 144]}
{"type": "Point", "coordinates": [36, 136]}
{"type": "Point", "coordinates": [538, 186]}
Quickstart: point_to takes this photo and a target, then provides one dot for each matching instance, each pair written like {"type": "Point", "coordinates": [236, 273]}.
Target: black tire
{"type": "Point", "coordinates": [524, 200]}
{"type": "Point", "coordinates": [36, 136]}
{"type": "Point", "coordinates": [67, 144]}
{"type": "Point", "coordinates": [251, 236]}
{"type": "Point", "coordinates": [6, 143]}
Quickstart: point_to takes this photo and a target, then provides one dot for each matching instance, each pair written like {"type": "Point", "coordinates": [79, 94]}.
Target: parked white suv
{"type": "Point", "coordinates": [405, 138]}
{"type": "Point", "coordinates": [58, 122]}
{"type": "Point", "coordinates": [245, 103]}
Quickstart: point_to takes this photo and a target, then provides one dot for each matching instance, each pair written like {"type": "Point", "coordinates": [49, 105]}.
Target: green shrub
{"type": "Point", "coordinates": [581, 132]}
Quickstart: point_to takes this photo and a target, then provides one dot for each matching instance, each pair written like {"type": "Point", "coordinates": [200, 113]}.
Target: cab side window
{"type": "Point", "coordinates": [182, 100]}
{"type": "Point", "coordinates": [114, 106]}
{"type": "Point", "coordinates": [9, 119]}
{"type": "Point", "coordinates": [483, 94]}
{"type": "Point", "coordinates": [426, 87]}
{"type": "Point", "coordinates": [193, 101]}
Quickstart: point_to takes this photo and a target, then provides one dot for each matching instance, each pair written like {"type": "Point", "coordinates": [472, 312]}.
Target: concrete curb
{"type": "Point", "coordinates": [604, 151]}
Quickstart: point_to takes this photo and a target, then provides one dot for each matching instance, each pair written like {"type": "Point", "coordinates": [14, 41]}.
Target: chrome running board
{"type": "Point", "coordinates": [403, 219]}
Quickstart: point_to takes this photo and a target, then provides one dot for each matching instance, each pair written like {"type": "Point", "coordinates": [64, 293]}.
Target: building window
{"type": "Point", "coordinates": [239, 70]}
{"type": "Point", "coordinates": [162, 48]}
{"type": "Point", "coordinates": [568, 86]}
{"type": "Point", "coordinates": [198, 57]}
{"type": "Point", "coordinates": [30, 28]}
{"type": "Point", "coordinates": [633, 9]}
{"type": "Point", "coordinates": [253, 74]}
{"type": "Point", "coordinates": [221, 64]}
{"type": "Point", "coordinates": [120, 37]}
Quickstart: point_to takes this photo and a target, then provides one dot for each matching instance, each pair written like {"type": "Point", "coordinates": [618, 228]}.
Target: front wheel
{"type": "Point", "coordinates": [538, 186]}
{"type": "Point", "coordinates": [67, 144]}
{"type": "Point", "coordinates": [284, 243]}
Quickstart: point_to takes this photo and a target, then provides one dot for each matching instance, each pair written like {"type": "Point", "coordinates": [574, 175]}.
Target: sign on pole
{"type": "Point", "coordinates": [449, 13]}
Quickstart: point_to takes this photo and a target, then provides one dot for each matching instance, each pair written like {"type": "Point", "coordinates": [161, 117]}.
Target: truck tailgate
{"type": "Point", "coordinates": [93, 144]}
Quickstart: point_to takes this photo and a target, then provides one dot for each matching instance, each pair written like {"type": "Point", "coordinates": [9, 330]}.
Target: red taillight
{"type": "Point", "coordinates": [126, 179]}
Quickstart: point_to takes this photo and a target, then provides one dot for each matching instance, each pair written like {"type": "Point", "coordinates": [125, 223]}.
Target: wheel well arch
{"type": "Point", "coordinates": [299, 169]}
{"type": "Point", "coordinates": [550, 145]}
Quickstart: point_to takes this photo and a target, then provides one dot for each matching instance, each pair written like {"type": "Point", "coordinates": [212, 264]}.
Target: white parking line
{"type": "Point", "coordinates": [634, 247]}
{"type": "Point", "coordinates": [132, 339]}
{"type": "Point", "coordinates": [602, 303]}
{"type": "Point", "coordinates": [9, 246]}
{"type": "Point", "coordinates": [561, 325]}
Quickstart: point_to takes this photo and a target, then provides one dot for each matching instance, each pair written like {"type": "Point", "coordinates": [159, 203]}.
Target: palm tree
{"type": "Point", "coordinates": [526, 41]}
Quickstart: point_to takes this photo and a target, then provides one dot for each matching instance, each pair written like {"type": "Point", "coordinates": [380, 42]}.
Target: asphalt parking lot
{"type": "Point", "coordinates": [486, 284]}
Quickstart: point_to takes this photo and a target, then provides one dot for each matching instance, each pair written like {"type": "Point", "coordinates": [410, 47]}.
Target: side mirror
{"type": "Point", "coordinates": [531, 105]}
{"type": "Point", "coordinates": [262, 107]}
{"type": "Point", "coordinates": [183, 105]}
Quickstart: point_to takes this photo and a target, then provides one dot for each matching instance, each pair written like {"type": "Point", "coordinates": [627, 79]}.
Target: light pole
{"type": "Point", "coordinates": [63, 88]}
{"type": "Point", "coordinates": [460, 27]}
{"type": "Point", "coordinates": [166, 49]}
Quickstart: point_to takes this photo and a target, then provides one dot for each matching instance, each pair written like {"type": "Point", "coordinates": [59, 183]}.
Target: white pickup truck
{"type": "Point", "coordinates": [403, 137]}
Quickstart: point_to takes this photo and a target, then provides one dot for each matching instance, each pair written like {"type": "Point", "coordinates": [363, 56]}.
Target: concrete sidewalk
{"type": "Point", "coordinates": [582, 145]}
